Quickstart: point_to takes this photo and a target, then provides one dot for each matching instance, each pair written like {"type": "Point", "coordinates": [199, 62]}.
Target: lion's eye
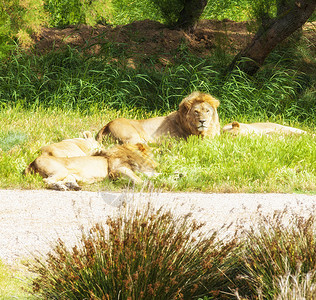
{"type": "Point", "coordinates": [196, 112]}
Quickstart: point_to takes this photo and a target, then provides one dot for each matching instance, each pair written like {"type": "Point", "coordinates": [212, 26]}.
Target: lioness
{"type": "Point", "coordinates": [62, 173]}
{"type": "Point", "coordinates": [197, 115]}
{"type": "Point", "coordinates": [73, 147]}
{"type": "Point", "coordinates": [236, 128]}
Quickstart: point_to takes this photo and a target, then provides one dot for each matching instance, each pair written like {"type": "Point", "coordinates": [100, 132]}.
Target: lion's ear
{"type": "Point", "coordinates": [214, 103]}
{"type": "Point", "coordinates": [186, 103]}
{"type": "Point", "coordinates": [141, 147]}
{"type": "Point", "coordinates": [87, 134]}
{"type": "Point", "coordinates": [184, 107]}
{"type": "Point", "coordinates": [210, 100]}
{"type": "Point", "coordinates": [235, 124]}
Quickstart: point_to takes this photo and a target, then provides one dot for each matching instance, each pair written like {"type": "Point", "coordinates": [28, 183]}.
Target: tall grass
{"type": "Point", "coordinates": [125, 12]}
{"type": "Point", "coordinates": [279, 258]}
{"type": "Point", "coordinates": [69, 80]}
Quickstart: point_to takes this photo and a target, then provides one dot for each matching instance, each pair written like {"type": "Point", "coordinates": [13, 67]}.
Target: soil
{"type": "Point", "coordinates": [147, 38]}
{"type": "Point", "coordinates": [141, 39]}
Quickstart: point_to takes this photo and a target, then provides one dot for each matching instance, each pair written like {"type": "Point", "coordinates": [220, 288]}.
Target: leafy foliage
{"type": "Point", "coordinates": [63, 13]}
{"type": "Point", "coordinates": [18, 19]}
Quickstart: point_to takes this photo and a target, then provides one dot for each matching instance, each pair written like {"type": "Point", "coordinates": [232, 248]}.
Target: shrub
{"type": "Point", "coordinates": [139, 255]}
{"type": "Point", "coordinates": [296, 286]}
{"type": "Point", "coordinates": [276, 253]}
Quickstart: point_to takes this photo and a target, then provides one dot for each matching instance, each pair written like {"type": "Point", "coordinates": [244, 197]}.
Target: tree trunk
{"type": "Point", "coordinates": [190, 14]}
{"type": "Point", "coordinates": [272, 33]}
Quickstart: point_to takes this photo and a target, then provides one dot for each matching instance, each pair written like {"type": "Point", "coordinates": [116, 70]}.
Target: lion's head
{"type": "Point", "coordinates": [198, 113]}
{"type": "Point", "coordinates": [138, 156]}
{"type": "Point", "coordinates": [232, 128]}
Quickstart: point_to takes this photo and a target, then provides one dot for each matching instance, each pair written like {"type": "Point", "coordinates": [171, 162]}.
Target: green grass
{"type": "Point", "coordinates": [243, 164]}
{"type": "Point", "coordinates": [10, 139]}
{"type": "Point", "coordinates": [224, 164]}
{"type": "Point", "coordinates": [13, 284]}
{"type": "Point", "coordinates": [125, 12]}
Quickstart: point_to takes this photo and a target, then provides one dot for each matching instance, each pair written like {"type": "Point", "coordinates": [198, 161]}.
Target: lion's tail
{"type": "Point", "coordinates": [30, 169]}
{"type": "Point", "coordinates": [104, 131]}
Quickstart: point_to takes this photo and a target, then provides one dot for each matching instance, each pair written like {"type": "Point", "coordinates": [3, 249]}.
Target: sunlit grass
{"type": "Point", "coordinates": [13, 284]}
{"type": "Point", "coordinates": [243, 164]}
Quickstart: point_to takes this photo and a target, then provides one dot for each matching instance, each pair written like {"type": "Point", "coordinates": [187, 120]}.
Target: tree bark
{"type": "Point", "coordinates": [272, 33]}
{"type": "Point", "coordinates": [190, 14]}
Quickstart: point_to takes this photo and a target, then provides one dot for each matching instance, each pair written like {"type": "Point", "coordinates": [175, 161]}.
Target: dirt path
{"type": "Point", "coordinates": [31, 220]}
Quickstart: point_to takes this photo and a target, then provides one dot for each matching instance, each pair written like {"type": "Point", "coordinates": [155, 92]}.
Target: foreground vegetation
{"type": "Point", "coordinates": [148, 254]}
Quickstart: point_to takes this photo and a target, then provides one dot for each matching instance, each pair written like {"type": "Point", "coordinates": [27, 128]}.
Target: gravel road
{"type": "Point", "coordinates": [32, 219]}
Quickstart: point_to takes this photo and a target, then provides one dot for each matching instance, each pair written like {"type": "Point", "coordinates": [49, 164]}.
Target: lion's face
{"type": "Point", "coordinates": [199, 117]}
{"type": "Point", "coordinates": [198, 113]}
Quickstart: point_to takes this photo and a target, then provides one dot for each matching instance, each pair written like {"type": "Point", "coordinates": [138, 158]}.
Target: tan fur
{"type": "Point", "coordinates": [73, 147]}
{"type": "Point", "coordinates": [62, 173]}
{"type": "Point", "coordinates": [197, 115]}
{"type": "Point", "coordinates": [236, 128]}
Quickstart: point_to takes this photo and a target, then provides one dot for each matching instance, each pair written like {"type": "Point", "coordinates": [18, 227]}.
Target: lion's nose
{"type": "Point", "coordinates": [202, 122]}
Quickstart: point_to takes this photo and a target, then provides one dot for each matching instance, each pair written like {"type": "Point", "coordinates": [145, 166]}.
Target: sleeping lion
{"type": "Point", "coordinates": [63, 173]}
{"type": "Point", "coordinates": [237, 128]}
{"type": "Point", "coordinates": [197, 115]}
{"type": "Point", "coordinates": [73, 147]}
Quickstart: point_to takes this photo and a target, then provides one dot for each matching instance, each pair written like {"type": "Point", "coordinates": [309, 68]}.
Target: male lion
{"type": "Point", "coordinates": [236, 128]}
{"type": "Point", "coordinates": [197, 115]}
{"type": "Point", "coordinates": [62, 173]}
{"type": "Point", "coordinates": [73, 147]}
